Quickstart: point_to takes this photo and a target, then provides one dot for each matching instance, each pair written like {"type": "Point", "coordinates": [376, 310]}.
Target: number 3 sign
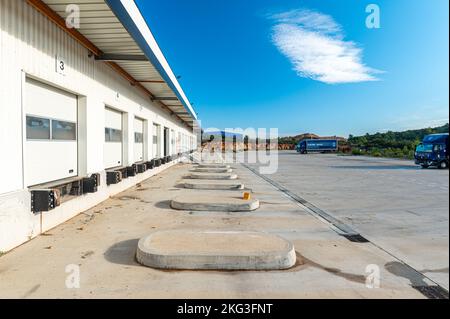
{"type": "Point", "coordinates": [60, 65]}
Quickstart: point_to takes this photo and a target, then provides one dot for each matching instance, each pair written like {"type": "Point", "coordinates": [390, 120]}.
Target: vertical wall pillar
{"type": "Point", "coordinates": [94, 120]}
{"type": "Point", "coordinates": [161, 140]}
{"type": "Point", "coordinates": [82, 136]}
{"type": "Point", "coordinates": [172, 142]}
{"type": "Point", "coordinates": [128, 139]}
{"type": "Point", "coordinates": [148, 140]}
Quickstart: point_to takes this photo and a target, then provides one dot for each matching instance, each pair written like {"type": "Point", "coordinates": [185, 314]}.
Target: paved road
{"type": "Point", "coordinates": [395, 204]}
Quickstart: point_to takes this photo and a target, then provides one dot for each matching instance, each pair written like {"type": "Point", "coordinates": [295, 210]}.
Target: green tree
{"type": "Point", "coordinates": [392, 144]}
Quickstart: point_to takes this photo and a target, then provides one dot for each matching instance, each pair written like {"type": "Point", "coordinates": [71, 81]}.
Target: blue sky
{"type": "Point", "coordinates": [308, 66]}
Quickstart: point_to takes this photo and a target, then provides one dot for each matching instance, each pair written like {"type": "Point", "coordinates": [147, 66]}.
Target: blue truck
{"type": "Point", "coordinates": [433, 151]}
{"type": "Point", "coordinates": [322, 146]}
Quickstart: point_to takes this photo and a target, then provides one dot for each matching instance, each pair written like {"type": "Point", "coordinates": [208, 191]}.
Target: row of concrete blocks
{"type": "Point", "coordinates": [212, 249]}
{"type": "Point", "coordinates": [213, 177]}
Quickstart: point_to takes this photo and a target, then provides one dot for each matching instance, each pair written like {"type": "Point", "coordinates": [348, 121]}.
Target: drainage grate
{"type": "Point", "coordinates": [356, 238]}
{"type": "Point", "coordinates": [432, 292]}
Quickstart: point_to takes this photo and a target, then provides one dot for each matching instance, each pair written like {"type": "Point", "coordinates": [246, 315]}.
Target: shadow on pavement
{"type": "Point", "coordinates": [401, 270]}
{"type": "Point", "coordinates": [165, 204]}
{"type": "Point", "coordinates": [123, 253]}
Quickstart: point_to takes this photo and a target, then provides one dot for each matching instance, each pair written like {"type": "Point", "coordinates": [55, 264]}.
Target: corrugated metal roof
{"type": "Point", "coordinates": [115, 27]}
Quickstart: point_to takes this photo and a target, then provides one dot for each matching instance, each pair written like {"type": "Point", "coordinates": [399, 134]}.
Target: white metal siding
{"type": "Point", "coordinates": [100, 25]}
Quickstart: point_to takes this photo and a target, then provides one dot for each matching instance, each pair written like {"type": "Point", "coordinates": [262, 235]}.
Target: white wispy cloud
{"type": "Point", "coordinates": [315, 45]}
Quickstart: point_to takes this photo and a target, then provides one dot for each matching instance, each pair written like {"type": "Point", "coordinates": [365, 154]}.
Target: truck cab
{"type": "Point", "coordinates": [301, 147]}
{"type": "Point", "coordinates": [433, 151]}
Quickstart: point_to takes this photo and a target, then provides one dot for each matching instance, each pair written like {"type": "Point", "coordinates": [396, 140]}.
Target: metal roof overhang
{"type": "Point", "coordinates": [116, 33]}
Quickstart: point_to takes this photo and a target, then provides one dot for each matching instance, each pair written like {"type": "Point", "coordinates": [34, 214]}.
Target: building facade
{"type": "Point", "coordinates": [86, 110]}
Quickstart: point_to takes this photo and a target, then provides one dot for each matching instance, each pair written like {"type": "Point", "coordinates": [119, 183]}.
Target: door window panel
{"type": "Point", "coordinates": [113, 135]}
{"type": "Point", "coordinates": [64, 131]}
{"type": "Point", "coordinates": [138, 137]}
{"type": "Point", "coordinates": [38, 128]}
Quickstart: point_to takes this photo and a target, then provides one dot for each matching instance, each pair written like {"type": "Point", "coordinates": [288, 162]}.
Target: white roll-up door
{"type": "Point", "coordinates": [138, 140]}
{"type": "Point", "coordinates": [113, 147]}
{"type": "Point", "coordinates": [51, 148]}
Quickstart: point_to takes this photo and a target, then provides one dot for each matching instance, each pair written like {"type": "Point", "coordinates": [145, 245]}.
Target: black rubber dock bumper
{"type": "Point", "coordinates": [150, 164]}
{"type": "Point", "coordinates": [132, 170]}
{"type": "Point", "coordinates": [91, 184]}
{"type": "Point", "coordinates": [45, 200]}
{"type": "Point", "coordinates": [113, 177]}
{"type": "Point", "coordinates": [124, 172]}
{"type": "Point", "coordinates": [48, 196]}
{"type": "Point", "coordinates": [141, 168]}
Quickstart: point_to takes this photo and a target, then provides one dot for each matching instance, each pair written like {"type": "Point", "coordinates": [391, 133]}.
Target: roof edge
{"type": "Point", "coordinates": [131, 17]}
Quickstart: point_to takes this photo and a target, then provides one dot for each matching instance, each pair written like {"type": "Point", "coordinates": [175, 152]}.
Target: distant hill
{"type": "Point", "coordinates": [392, 144]}
{"type": "Point", "coordinates": [293, 140]}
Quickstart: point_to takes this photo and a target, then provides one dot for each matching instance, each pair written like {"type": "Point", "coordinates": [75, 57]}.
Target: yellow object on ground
{"type": "Point", "coordinates": [247, 196]}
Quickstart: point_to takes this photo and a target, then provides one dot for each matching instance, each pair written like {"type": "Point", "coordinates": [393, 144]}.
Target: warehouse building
{"type": "Point", "coordinates": [88, 108]}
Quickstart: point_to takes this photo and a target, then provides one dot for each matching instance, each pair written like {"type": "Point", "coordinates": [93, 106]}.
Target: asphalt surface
{"type": "Point", "coordinates": [397, 205]}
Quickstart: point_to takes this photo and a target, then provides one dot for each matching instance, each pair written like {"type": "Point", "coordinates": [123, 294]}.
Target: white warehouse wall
{"type": "Point", "coordinates": [29, 44]}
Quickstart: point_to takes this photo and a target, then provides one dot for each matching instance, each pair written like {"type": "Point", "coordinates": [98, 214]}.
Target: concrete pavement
{"type": "Point", "coordinates": [395, 204]}
{"type": "Point", "coordinates": [102, 242]}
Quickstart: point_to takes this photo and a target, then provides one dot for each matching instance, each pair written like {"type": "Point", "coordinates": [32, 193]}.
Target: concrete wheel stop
{"type": "Point", "coordinates": [215, 203]}
{"type": "Point", "coordinates": [214, 185]}
{"type": "Point", "coordinates": [211, 170]}
{"type": "Point", "coordinates": [212, 176]}
{"type": "Point", "coordinates": [215, 250]}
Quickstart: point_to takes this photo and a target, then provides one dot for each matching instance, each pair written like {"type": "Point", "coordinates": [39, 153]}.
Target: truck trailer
{"type": "Point", "coordinates": [322, 146]}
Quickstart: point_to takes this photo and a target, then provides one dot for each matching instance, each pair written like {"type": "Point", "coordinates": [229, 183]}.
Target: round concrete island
{"type": "Point", "coordinates": [213, 166]}
{"type": "Point", "coordinates": [211, 170]}
{"type": "Point", "coordinates": [215, 203]}
{"type": "Point", "coordinates": [212, 176]}
{"type": "Point", "coordinates": [214, 185]}
{"type": "Point", "coordinates": [218, 250]}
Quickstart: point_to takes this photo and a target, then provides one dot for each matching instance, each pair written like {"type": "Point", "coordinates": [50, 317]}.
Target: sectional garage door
{"type": "Point", "coordinates": [138, 140]}
{"type": "Point", "coordinates": [51, 148]}
{"type": "Point", "coordinates": [113, 147]}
